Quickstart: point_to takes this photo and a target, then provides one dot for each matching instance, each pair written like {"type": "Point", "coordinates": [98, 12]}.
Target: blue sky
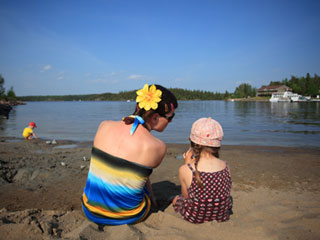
{"type": "Point", "coordinates": [81, 47]}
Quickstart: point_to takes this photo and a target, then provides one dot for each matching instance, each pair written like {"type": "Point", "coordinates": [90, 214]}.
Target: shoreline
{"type": "Point", "coordinates": [81, 143]}
{"type": "Point", "coordinates": [275, 190]}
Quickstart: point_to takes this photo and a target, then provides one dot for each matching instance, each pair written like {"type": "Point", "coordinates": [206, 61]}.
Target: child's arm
{"type": "Point", "coordinates": [184, 188]}
{"type": "Point", "coordinates": [183, 171]}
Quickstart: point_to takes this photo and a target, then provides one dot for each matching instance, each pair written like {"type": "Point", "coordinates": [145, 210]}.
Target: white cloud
{"type": "Point", "coordinates": [135, 76]}
{"type": "Point", "coordinates": [60, 76]}
{"type": "Point", "coordinates": [46, 68]}
{"type": "Point", "coordinates": [140, 77]}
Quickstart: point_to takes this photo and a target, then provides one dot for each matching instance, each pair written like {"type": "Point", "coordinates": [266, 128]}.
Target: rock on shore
{"type": "Point", "coordinates": [6, 106]}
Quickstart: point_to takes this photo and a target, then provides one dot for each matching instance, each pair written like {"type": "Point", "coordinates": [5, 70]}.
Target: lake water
{"type": "Point", "coordinates": [244, 123]}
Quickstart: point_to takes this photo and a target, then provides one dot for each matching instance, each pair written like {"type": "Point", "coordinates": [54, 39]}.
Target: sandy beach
{"type": "Point", "coordinates": [275, 190]}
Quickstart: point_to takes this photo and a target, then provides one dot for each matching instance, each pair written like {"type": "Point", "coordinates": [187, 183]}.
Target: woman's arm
{"type": "Point", "coordinates": [152, 198]}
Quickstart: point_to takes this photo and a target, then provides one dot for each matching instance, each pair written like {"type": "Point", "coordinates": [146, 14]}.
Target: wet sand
{"type": "Point", "coordinates": [275, 190]}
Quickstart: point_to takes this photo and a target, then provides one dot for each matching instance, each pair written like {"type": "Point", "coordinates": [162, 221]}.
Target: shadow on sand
{"type": "Point", "coordinates": [164, 191]}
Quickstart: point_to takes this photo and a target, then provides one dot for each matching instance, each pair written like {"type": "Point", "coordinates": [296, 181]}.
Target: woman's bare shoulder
{"type": "Point", "coordinates": [154, 150]}
{"type": "Point", "coordinates": [107, 123]}
{"type": "Point", "coordinates": [160, 146]}
{"type": "Point", "coordinates": [104, 129]}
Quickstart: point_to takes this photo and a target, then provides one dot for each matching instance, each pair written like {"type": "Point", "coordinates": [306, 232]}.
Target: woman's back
{"type": "Point", "coordinates": [141, 147]}
{"type": "Point", "coordinates": [118, 188]}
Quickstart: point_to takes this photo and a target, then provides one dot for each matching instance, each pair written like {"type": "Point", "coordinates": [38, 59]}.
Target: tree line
{"type": "Point", "coordinates": [307, 86]}
{"type": "Point", "coordinates": [181, 94]}
{"type": "Point", "coordinates": [243, 91]}
{"type": "Point", "coordinates": [10, 95]}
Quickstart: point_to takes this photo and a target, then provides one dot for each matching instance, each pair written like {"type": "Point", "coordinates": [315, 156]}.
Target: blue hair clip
{"type": "Point", "coordinates": [137, 120]}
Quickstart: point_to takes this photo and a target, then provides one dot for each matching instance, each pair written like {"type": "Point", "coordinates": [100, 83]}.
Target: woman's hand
{"type": "Point", "coordinates": [188, 156]}
{"type": "Point", "coordinates": [152, 198]}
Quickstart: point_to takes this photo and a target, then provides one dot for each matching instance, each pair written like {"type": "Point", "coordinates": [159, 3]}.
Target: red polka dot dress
{"type": "Point", "coordinates": [211, 202]}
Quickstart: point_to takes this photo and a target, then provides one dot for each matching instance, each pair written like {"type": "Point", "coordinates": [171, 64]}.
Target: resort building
{"type": "Point", "coordinates": [268, 90]}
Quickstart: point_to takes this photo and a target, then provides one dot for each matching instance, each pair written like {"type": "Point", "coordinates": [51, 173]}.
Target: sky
{"type": "Point", "coordinates": [66, 47]}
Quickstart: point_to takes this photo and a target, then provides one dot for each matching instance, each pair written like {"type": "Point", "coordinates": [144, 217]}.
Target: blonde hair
{"type": "Point", "coordinates": [197, 149]}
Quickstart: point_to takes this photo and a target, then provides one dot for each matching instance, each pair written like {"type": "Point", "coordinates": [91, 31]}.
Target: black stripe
{"type": "Point", "coordinates": [120, 163]}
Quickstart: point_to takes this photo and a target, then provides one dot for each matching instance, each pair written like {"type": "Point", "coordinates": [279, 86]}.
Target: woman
{"type": "Point", "coordinates": [118, 190]}
{"type": "Point", "coordinates": [205, 179]}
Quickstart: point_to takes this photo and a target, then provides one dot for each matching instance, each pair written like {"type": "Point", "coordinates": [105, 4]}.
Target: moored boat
{"type": "Point", "coordinates": [288, 96]}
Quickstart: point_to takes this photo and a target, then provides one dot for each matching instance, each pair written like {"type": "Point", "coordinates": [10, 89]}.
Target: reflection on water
{"type": "Point", "coordinates": [244, 123]}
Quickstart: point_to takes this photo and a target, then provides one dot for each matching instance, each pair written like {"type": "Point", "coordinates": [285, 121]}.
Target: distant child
{"type": "Point", "coordinates": [28, 131]}
{"type": "Point", "coordinates": [205, 179]}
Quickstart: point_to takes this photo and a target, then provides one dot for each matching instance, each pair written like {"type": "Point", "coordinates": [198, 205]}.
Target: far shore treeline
{"type": "Point", "coordinates": [308, 86]}
{"type": "Point", "coordinates": [181, 94]}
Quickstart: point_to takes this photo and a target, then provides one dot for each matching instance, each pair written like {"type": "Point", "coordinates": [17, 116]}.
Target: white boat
{"type": "Point", "coordinates": [283, 96]}
{"type": "Point", "coordinates": [300, 98]}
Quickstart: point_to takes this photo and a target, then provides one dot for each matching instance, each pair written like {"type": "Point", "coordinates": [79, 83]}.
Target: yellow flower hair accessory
{"type": "Point", "coordinates": [148, 97]}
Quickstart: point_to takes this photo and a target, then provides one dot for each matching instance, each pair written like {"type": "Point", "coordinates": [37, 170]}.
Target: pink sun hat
{"type": "Point", "coordinates": [206, 132]}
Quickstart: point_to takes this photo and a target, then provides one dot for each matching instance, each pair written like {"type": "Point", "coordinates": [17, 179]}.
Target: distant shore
{"type": "Point", "coordinates": [250, 99]}
{"type": "Point", "coordinates": [275, 190]}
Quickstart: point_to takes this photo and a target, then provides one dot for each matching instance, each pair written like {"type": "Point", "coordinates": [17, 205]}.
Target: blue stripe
{"type": "Point", "coordinates": [121, 189]}
{"type": "Point", "coordinates": [111, 197]}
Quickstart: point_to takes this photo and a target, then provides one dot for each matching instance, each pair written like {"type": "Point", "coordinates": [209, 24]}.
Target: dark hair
{"type": "Point", "coordinates": [197, 149]}
{"type": "Point", "coordinates": [167, 104]}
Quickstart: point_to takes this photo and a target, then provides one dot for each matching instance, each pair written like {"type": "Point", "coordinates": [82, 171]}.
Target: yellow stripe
{"type": "Point", "coordinates": [147, 211]}
{"type": "Point", "coordinates": [119, 173]}
{"type": "Point", "coordinates": [110, 178]}
{"type": "Point", "coordinates": [104, 212]}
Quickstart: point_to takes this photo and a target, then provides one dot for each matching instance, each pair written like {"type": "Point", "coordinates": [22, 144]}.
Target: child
{"type": "Point", "coordinates": [205, 179]}
{"type": "Point", "coordinates": [28, 131]}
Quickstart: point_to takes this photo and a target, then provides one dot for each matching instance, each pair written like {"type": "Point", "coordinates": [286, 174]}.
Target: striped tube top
{"type": "Point", "coordinates": [115, 191]}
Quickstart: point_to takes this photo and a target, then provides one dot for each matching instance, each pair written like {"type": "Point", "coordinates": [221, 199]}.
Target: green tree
{"type": "Point", "coordinates": [307, 85]}
{"type": "Point", "coordinates": [226, 95]}
{"type": "Point", "coordinates": [11, 96]}
{"type": "Point", "coordinates": [276, 83]}
{"type": "Point", "coordinates": [2, 90]}
{"type": "Point", "coordinates": [244, 90]}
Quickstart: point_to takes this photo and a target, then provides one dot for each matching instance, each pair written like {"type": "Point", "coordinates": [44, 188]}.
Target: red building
{"type": "Point", "coordinates": [268, 90]}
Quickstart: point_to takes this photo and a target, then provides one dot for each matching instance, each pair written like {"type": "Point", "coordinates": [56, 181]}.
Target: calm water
{"type": "Point", "coordinates": [244, 123]}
